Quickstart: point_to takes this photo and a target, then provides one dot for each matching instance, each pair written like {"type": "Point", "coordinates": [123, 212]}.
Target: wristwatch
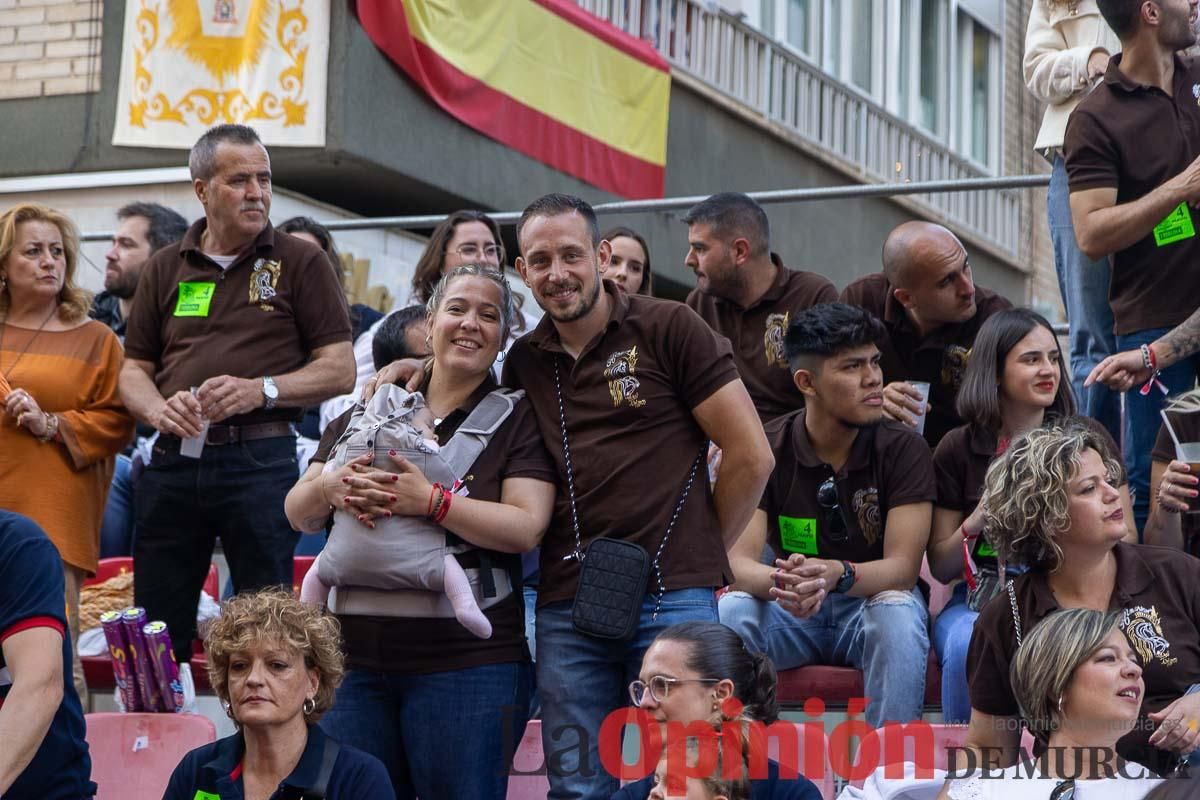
{"type": "Point", "coordinates": [270, 392]}
{"type": "Point", "coordinates": [847, 580]}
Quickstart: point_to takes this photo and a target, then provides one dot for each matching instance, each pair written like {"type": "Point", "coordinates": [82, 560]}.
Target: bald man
{"type": "Point", "coordinates": [932, 311]}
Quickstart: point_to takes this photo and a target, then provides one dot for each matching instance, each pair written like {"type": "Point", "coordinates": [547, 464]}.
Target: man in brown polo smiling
{"type": "Point", "coordinates": [1131, 151]}
{"type": "Point", "coordinates": [847, 513]}
{"type": "Point", "coordinates": [256, 324]}
{"type": "Point", "coordinates": [632, 388]}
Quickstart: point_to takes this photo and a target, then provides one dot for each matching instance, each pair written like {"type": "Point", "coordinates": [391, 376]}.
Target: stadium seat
{"type": "Point", "coordinates": [836, 685]}
{"type": "Point", "coordinates": [133, 755]}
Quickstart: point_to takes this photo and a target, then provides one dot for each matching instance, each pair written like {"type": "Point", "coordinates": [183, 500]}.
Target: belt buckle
{"type": "Point", "coordinates": [227, 434]}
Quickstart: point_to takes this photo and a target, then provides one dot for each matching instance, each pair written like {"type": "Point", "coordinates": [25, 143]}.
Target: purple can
{"type": "Point", "coordinates": [162, 661]}
{"type": "Point", "coordinates": [133, 619]}
{"type": "Point", "coordinates": [118, 651]}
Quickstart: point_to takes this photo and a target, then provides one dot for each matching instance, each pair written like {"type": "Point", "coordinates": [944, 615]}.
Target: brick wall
{"type": "Point", "coordinates": [49, 47]}
{"type": "Point", "coordinates": [1023, 117]}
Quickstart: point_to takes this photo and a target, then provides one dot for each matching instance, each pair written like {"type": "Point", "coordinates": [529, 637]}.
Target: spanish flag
{"type": "Point", "coordinates": [544, 77]}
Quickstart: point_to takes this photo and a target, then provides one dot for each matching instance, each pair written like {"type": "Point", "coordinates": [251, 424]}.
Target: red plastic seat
{"type": "Point", "coordinates": [300, 567]}
{"type": "Point", "coordinates": [97, 670]}
{"type": "Point", "coordinates": [529, 759]}
{"type": "Point", "coordinates": [837, 685]}
{"type": "Point", "coordinates": [133, 755]}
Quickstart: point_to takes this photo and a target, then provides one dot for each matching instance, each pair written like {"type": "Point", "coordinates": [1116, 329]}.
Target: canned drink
{"type": "Point", "coordinates": [118, 652]}
{"type": "Point", "coordinates": [162, 661]}
{"type": "Point", "coordinates": [134, 619]}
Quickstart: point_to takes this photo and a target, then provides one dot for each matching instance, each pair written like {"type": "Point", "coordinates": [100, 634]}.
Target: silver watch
{"type": "Point", "coordinates": [270, 392]}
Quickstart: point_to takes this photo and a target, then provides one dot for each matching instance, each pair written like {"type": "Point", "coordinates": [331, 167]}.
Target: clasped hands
{"type": "Point", "coordinates": [802, 583]}
{"type": "Point", "coordinates": [183, 414]}
{"type": "Point", "coordinates": [370, 493]}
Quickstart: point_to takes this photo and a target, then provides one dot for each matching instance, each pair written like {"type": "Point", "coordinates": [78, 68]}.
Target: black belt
{"type": "Point", "coordinates": [232, 434]}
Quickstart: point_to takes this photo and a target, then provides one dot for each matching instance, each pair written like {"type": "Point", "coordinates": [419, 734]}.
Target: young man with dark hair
{"type": "Point", "coordinates": [1131, 155]}
{"type": "Point", "coordinates": [931, 308]}
{"type": "Point", "coordinates": [746, 294]}
{"type": "Point", "coordinates": [847, 513]}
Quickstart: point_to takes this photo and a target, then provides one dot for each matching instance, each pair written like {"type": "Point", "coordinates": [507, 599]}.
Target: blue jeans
{"type": "Point", "coordinates": [885, 636]}
{"type": "Point", "coordinates": [581, 680]}
{"type": "Point", "coordinates": [1084, 287]}
{"type": "Point", "coordinates": [446, 735]}
{"type": "Point", "coordinates": [236, 492]}
{"type": "Point", "coordinates": [1142, 419]}
{"type": "Point", "coordinates": [116, 529]}
{"type": "Point", "coordinates": [951, 640]}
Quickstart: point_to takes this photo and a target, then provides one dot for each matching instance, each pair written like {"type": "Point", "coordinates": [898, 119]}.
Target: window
{"type": "Point", "coordinates": [853, 42]}
{"type": "Point", "coordinates": [979, 106]}
{"type": "Point", "coordinates": [922, 63]}
{"type": "Point", "coordinates": [794, 22]}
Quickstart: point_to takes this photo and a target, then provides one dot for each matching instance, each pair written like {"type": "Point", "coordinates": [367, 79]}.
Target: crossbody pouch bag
{"type": "Point", "coordinates": [613, 573]}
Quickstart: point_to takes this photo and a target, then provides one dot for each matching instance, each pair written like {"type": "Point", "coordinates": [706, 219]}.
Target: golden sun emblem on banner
{"type": "Point", "coordinates": [228, 39]}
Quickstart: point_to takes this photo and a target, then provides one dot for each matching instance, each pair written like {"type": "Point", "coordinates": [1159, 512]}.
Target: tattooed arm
{"type": "Point", "coordinates": [1125, 370]}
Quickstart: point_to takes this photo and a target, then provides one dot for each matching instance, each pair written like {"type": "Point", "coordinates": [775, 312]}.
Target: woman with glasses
{"type": "Point", "coordinates": [1079, 686]}
{"type": "Point", "coordinates": [1052, 506]}
{"type": "Point", "coordinates": [1015, 381]}
{"type": "Point", "coordinates": [464, 237]}
{"type": "Point", "coordinates": [689, 675]}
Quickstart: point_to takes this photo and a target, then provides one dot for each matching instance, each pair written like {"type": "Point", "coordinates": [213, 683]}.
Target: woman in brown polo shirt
{"type": "Point", "coordinates": [1173, 486]}
{"type": "Point", "coordinates": [1052, 506]}
{"type": "Point", "coordinates": [1016, 380]}
{"type": "Point", "coordinates": [441, 708]}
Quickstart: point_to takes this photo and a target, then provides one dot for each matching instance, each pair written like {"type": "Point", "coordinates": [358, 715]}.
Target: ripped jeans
{"type": "Point", "coordinates": [886, 636]}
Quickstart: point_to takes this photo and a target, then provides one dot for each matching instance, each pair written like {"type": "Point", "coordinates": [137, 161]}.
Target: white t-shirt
{"type": "Point", "coordinates": [224, 262]}
{"type": "Point", "coordinates": [1017, 783]}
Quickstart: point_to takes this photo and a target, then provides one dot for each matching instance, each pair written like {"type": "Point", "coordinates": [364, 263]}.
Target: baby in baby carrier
{"type": "Point", "coordinates": [406, 552]}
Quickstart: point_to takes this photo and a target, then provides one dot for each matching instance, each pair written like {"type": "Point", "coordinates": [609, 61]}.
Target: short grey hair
{"type": "Point", "coordinates": [508, 307]}
{"type": "Point", "coordinates": [202, 162]}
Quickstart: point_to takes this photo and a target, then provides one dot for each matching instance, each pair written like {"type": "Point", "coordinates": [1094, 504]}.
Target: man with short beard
{"type": "Point", "coordinates": [627, 391]}
{"type": "Point", "coordinates": [746, 294]}
{"type": "Point", "coordinates": [847, 514]}
{"type": "Point", "coordinates": [144, 229]}
{"type": "Point", "coordinates": [1131, 155]}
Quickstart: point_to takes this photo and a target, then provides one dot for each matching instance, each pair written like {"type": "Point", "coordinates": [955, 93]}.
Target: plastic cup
{"type": "Point", "coordinates": [1190, 452]}
{"type": "Point", "coordinates": [923, 388]}
{"type": "Point", "coordinates": [193, 446]}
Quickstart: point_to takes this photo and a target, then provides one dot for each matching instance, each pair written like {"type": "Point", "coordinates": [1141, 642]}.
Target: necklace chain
{"type": "Point", "coordinates": [28, 344]}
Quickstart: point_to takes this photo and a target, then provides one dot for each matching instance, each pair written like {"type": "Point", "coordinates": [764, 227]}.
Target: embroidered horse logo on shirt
{"type": "Point", "coordinates": [622, 385]}
{"type": "Point", "coordinates": [263, 281]}
{"type": "Point", "coordinates": [777, 325]}
{"type": "Point", "coordinates": [1143, 628]}
{"type": "Point", "coordinates": [866, 508]}
{"type": "Point", "coordinates": [954, 364]}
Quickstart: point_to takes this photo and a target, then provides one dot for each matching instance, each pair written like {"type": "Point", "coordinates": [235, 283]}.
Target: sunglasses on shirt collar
{"type": "Point", "coordinates": [827, 499]}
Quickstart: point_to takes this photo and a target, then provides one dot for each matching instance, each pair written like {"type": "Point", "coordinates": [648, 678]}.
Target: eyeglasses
{"type": "Point", "coordinates": [659, 687]}
{"type": "Point", "coordinates": [1064, 790]}
{"type": "Point", "coordinates": [827, 499]}
{"type": "Point", "coordinates": [471, 251]}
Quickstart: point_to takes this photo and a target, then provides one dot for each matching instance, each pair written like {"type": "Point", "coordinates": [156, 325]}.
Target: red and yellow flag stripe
{"type": "Point", "coordinates": [544, 77]}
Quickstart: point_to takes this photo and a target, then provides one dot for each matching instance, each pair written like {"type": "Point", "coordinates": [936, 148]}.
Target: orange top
{"type": "Point", "coordinates": [63, 485]}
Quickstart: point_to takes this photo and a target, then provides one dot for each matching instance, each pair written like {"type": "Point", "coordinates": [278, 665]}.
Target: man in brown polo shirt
{"type": "Point", "coordinates": [236, 329]}
{"type": "Point", "coordinates": [847, 513]}
{"type": "Point", "coordinates": [932, 310]}
{"type": "Point", "coordinates": [746, 294]}
{"type": "Point", "coordinates": [1131, 153]}
{"type": "Point", "coordinates": [632, 388]}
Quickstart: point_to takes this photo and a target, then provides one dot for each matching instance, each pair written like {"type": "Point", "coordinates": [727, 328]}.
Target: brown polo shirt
{"type": "Point", "coordinates": [1156, 590]}
{"type": "Point", "coordinates": [940, 358]}
{"type": "Point", "coordinates": [757, 334]}
{"type": "Point", "coordinates": [628, 401]}
{"type": "Point", "coordinates": [960, 464]}
{"type": "Point", "coordinates": [412, 646]}
{"type": "Point", "coordinates": [264, 315]}
{"type": "Point", "coordinates": [1133, 138]}
{"type": "Point", "coordinates": [1187, 428]}
{"type": "Point", "coordinates": [889, 466]}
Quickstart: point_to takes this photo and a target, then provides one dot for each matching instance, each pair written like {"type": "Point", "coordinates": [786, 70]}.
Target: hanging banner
{"type": "Point", "coordinates": [544, 77]}
{"type": "Point", "coordinates": [190, 64]}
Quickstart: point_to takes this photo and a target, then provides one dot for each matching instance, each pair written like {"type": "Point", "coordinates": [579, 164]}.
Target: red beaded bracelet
{"type": "Point", "coordinates": [434, 496]}
{"type": "Point", "coordinates": [444, 508]}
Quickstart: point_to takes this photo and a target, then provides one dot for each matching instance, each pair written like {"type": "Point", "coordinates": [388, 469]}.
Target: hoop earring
{"type": "Point", "coordinates": [228, 709]}
{"type": "Point", "coordinates": [310, 705]}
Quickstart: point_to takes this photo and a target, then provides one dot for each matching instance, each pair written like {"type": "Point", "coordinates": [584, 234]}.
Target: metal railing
{"type": "Point", "coordinates": [774, 81]}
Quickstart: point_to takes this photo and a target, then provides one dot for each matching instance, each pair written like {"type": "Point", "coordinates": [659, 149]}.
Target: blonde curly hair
{"type": "Point", "coordinates": [73, 302]}
{"type": "Point", "coordinates": [275, 616]}
{"type": "Point", "coordinates": [1025, 492]}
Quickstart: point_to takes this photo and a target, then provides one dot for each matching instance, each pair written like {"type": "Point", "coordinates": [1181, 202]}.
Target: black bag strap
{"type": "Point", "coordinates": [321, 785]}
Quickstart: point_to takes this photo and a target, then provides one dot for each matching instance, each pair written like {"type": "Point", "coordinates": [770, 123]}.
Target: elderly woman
{"type": "Point", "coordinates": [1052, 506]}
{"type": "Point", "coordinates": [687, 675]}
{"type": "Point", "coordinates": [413, 671]}
{"type": "Point", "coordinates": [61, 419]}
{"type": "Point", "coordinates": [275, 664]}
{"type": "Point", "coordinates": [1079, 686]}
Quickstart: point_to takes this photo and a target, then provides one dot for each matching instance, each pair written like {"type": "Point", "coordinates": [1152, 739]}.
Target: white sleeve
{"type": "Point", "coordinates": [364, 366]}
{"type": "Point", "coordinates": [966, 789]}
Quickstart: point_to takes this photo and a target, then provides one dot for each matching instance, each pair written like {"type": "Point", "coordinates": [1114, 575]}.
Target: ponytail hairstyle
{"type": "Point", "coordinates": [716, 651]}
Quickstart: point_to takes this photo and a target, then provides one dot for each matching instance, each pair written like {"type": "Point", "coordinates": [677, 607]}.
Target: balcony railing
{"type": "Point", "coordinates": [771, 79]}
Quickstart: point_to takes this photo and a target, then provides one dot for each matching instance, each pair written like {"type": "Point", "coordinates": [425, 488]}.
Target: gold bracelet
{"type": "Point", "coordinates": [51, 428]}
